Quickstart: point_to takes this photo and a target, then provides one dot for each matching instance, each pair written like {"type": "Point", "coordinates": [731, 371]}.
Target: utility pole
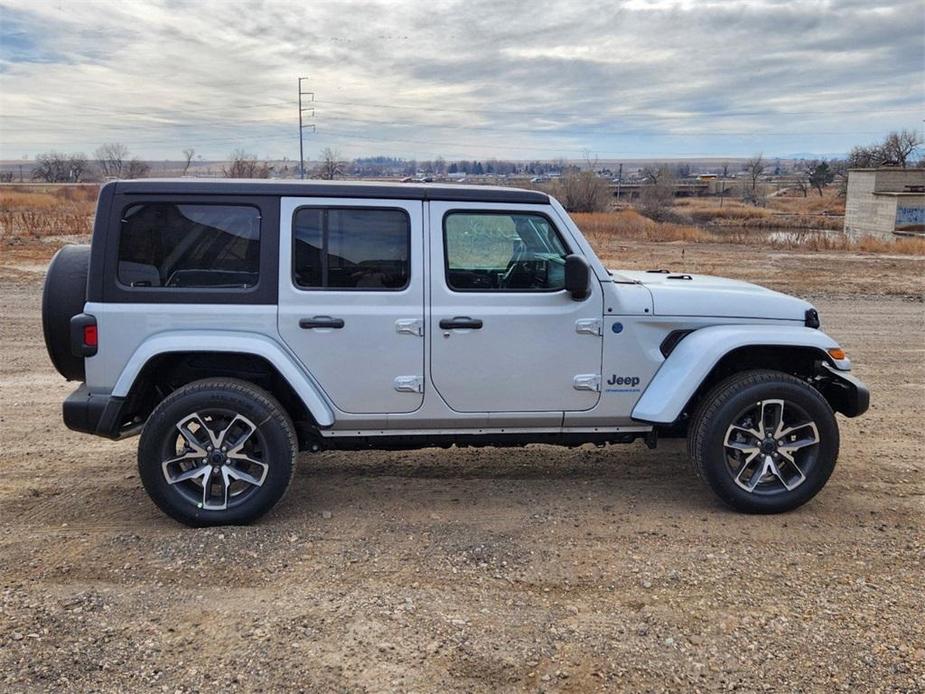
{"type": "Point", "coordinates": [303, 125]}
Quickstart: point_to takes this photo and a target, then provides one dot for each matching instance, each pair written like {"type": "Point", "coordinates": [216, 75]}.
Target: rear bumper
{"type": "Point", "coordinates": [844, 392]}
{"type": "Point", "coordinates": [97, 413]}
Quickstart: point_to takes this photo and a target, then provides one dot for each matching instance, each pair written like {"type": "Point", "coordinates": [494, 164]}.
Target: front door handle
{"type": "Point", "coordinates": [321, 322]}
{"type": "Point", "coordinates": [461, 322]}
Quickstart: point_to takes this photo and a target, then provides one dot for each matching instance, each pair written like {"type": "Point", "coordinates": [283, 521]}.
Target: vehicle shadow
{"type": "Point", "coordinates": [617, 475]}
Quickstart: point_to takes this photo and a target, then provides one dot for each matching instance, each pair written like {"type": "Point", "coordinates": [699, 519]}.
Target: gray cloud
{"type": "Point", "coordinates": [471, 78]}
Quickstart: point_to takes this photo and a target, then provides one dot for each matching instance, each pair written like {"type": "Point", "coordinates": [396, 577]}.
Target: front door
{"type": "Point", "coordinates": [505, 334]}
{"type": "Point", "coordinates": [351, 299]}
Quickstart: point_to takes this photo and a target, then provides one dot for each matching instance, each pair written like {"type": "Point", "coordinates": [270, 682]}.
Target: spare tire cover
{"type": "Point", "coordinates": [64, 297]}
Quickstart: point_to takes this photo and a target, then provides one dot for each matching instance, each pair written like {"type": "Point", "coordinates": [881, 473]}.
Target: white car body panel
{"type": "Point", "coordinates": [697, 354]}
{"type": "Point", "coordinates": [357, 365]}
{"type": "Point", "coordinates": [225, 341]}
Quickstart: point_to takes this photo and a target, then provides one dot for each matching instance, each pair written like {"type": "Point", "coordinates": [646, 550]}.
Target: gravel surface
{"type": "Point", "coordinates": [540, 569]}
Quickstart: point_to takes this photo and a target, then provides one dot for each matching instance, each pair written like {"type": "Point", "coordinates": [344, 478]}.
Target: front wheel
{"type": "Point", "coordinates": [764, 441]}
{"type": "Point", "coordinates": [217, 452]}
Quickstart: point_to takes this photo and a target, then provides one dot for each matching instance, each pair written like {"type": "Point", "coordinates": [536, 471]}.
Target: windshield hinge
{"type": "Point", "coordinates": [589, 326]}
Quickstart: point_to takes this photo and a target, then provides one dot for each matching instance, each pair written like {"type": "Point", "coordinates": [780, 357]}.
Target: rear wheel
{"type": "Point", "coordinates": [217, 452]}
{"type": "Point", "coordinates": [764, 441]}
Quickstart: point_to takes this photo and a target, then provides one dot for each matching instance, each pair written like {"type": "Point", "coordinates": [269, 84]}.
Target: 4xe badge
{"type": "Point", "coordinates": [623, 384]}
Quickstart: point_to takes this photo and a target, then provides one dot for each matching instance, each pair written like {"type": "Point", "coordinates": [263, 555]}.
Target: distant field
{"type": "Point", "coordinates": [35, 220]}
{"type": "Point", "coordinates": [31, 213]}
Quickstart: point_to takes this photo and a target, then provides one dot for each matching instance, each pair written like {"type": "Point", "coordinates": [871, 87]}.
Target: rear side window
{"type": "Point", "coordinates": [351, 248]}
{"type": "Point", "coordinates": [165, 244]}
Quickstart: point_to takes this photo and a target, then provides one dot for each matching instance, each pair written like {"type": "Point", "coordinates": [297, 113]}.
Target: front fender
{"type": "Point", "coordinates": [239, 343]}
{"type": "Point", "coordinates": [693, 359]}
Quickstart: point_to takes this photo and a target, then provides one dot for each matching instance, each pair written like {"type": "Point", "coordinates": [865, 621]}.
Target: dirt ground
{"type": "Point", "coordinates": [539, 569]}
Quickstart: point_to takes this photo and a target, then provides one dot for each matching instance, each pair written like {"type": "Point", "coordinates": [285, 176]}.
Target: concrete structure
{"type": "Point", "coordinates": [885, 201]}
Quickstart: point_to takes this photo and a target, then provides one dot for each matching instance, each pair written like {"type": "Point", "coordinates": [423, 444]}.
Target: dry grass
{"type": "Point", "coordinates": [605, 229]}
{"type": "Point", "coordinates": [29, 213]}
{"type": "Point", "coordinates": [783, 211]}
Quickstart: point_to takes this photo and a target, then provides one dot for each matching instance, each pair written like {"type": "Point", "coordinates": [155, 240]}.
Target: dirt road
{"type": "Point", "coordinates": [478, 570]}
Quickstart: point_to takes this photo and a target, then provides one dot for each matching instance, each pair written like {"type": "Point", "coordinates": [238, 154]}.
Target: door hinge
{"type": "Point", "coordinates": [587, 382]}
{"type": "Point", "coordinates": [408, 384]}
{"type": "Point", "coordinates": [589, 326]}
{"type": "Point", "coordinates": [410, 326]}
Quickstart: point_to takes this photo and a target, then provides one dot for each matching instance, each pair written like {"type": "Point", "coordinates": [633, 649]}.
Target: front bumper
{"type": "Point", "coordinates": [844, 392]}
{"type": "Point", "coordinates": [97, 413]}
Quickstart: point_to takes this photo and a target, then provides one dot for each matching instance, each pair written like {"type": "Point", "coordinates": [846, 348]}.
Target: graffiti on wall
{"type": "Point", "coordinates": [910, 219]}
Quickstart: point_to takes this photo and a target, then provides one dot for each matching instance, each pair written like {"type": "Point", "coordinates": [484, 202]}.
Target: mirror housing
{"type": "Point", "coordinates": [577, 276]}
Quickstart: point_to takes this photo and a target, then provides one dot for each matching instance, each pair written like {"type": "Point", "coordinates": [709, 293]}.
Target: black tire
{"type": "Point", "coordinates": [64, 297]}
{"type": "Point", "coordinates": [272, 444]}
{"type": "Point", "coordinates": [737, 400]}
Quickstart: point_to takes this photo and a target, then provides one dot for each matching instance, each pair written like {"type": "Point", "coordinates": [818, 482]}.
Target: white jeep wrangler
{"type": "Point", "coordinates": [234, 323]}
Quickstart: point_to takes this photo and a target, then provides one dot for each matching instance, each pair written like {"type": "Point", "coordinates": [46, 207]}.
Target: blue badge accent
{"type": "Point", "coordinates": [617, 327]}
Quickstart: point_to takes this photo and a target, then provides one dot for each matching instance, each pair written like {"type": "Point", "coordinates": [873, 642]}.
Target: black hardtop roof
{"type": "Point", "coordinates": [347, 189]}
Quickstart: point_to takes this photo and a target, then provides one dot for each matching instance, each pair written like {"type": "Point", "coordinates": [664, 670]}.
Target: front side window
{"type": "Point", "coordinates": [506, 251]}
{"type": "Point", "coordinates": [167, 244]}
{"type": "Point", "coordinates": [351, 248]}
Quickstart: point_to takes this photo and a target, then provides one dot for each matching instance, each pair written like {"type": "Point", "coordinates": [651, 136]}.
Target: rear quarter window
{"type": "Point", "coordinates": [189, 246]}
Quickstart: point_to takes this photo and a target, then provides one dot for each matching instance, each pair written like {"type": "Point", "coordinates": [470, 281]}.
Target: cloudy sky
{"type": "Point", "coordinates": [495, 78]}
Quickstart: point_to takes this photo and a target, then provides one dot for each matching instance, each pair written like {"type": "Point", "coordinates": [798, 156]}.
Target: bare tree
{"type": "Point", "coordinates": [51, 167]}
{"type": "Point", "coordinates": [135, 168]}
{"type": "Point", "coordinates": [801, 176]}
{"type": "Point", "coordinates": [188, 154]}
{"type": "Point", "coordinates": [79, 166]}
{"type": "Point", "coordinates": [653, 174]}
{"type": "Point", "coordinates": [657, 198]}
{"type": "Point", "coordinates": [725, 169]}
{"type": "Point", "coordinates": [861, 157]}
{"type": "Point", "coordinates": [244, 165]}
{"type": "Point", "coordinates": [584, 191]}
{"type": "Point", "coordinates": [331, 164]}
{"type": "Point", "coordinates": [111, 159]}
{"type": "Point", "coordinates": [754, 168]}
{"type": "Point", "coordinates": [900, 146]}
{"type": "Point", "coordinates": [54, 167]}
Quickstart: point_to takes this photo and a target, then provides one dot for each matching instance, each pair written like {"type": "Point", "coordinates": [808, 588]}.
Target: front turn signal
{"type": "Point", "coordinates": [837, 353]}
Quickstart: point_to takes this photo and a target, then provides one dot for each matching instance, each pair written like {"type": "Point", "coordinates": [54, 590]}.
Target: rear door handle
{"type": "Point", "coordinates": [461, 322]}
{"type": "Point", "coordinates": [321, 322]}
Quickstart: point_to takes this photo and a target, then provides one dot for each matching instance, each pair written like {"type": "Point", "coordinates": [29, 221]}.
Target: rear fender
{"type": "Point", "coordinates": [239, 343]}
{"type": "Point", "coordinates": [696, 355]}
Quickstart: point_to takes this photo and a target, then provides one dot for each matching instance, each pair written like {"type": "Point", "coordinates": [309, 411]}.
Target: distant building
{"type": "Point", "coordinates": [885, 201]}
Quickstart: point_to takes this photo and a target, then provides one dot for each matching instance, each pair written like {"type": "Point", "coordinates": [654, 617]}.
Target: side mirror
{"type": "Point", "coordinates": [577, 276]}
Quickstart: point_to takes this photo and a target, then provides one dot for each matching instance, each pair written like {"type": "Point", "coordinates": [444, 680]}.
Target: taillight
{"type": "Point", "coordinates": [85, 337]}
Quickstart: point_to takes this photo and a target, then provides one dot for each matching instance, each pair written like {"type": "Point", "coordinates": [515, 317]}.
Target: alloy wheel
{"type": "Point", "coordinates": [216, 459]}
{"type": "Point", "coordinates": [770, 447]}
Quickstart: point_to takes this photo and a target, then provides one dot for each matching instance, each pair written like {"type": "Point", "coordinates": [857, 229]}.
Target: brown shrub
{"type": "Point", "coordinates": [32, 212]}
{"type": "Point", "coordinates": [605, 229]}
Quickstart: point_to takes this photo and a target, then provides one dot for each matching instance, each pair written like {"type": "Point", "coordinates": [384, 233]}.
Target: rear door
{"type": "Point", "coordinates": [351, 299]}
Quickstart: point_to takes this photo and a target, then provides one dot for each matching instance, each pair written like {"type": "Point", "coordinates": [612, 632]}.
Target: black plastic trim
{"type": "Point", "coordinates": [95, 413]}
{"type": "Point", "coordinates": [844, 392]}
{"type": "Point", "coordinates": [811, 318]}
{"type": "Point", "coordinates": [100, 243]}
{"type": "Point", "coordinates": [332, 189]}
{"type": "Point", "coordinates": [672, 340]}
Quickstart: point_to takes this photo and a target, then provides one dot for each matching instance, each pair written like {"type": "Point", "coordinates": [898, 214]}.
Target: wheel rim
{"type": "Point", "coordinates": [215, 460]}
{"type": "Point", "coordinates": [771, 447]}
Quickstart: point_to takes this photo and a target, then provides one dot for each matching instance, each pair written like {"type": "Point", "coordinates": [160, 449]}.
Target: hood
{"type": "Point", "coordinates": [683, 294]}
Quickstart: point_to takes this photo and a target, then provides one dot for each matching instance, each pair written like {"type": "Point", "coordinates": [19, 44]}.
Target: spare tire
{"type": "Point", "coordinates": [64, 297]}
